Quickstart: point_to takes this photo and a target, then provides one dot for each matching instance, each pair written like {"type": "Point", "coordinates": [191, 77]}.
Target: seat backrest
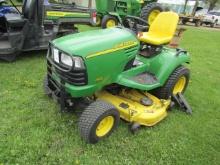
{"type": "Point", "coordinates": [165, 24]}
{"type": "Point", "coordinates": [33, 11]}
{"type": "Point", "coordinates": [28, 9]}
{"type": "Point", "coordinates": [2, 2]}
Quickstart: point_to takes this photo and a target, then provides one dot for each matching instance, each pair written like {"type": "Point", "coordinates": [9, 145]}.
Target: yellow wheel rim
{"type": "Point", "coordinates": [105, 126]}
{"type": "Point", "coordinates": [180, 85]}
{"type": "Point", "coordinates": [152, 16]}
{"type": "Point", "coordinates": [98, 20]}
{"type": "Point", "coordinates": [110, 23]}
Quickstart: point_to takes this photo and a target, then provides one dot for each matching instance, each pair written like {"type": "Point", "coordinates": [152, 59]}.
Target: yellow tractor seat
{"type": "Point", "coordinates": [161, 30]}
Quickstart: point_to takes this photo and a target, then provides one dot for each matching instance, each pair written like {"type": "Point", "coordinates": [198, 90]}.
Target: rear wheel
{"type": "Point", "coordinates": [150, 12]}
{"type": "Point", "coordinates": [98, 121]}
{"type": "Point", "coordinates": [176, 83]}
{"type": "Point", "coordinates": [197, 23]}
{"type": "Point", "coordinates": [98, 20]}
{"type": "Point", "coordinates": [184, 21]}
{"type": "Point", "coordinates": [109, 21]}
{"type": "Point", "coordinates": [213, 24]}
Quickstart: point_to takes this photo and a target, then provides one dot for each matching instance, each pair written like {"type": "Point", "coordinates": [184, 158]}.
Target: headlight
{"type": "Point", "coordinates": [67, 60]}
{"type": "Point", "coordinates": [78, 63]}
{"type": "Point", "coordinates": [55, 54]}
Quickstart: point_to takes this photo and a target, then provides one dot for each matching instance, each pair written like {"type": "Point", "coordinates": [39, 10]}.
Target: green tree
{"type": "Point", "coordinates": [212, 3]}
{"type": "Point", "coordinates": [195, 7]}
{"type": "Point", "coordinates": [185, 5]}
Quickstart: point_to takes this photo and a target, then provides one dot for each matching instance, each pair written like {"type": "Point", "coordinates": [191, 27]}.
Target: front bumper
{"type": "Point", "coordinates": [59, 83]}
{"type": "Point", "coordinates": [58, 93]}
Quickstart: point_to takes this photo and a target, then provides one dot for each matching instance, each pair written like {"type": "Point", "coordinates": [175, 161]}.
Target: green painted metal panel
{"type": "Point", "coordinates": [104, 6]}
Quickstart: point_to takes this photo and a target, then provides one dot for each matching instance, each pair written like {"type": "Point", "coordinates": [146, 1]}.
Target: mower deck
{"type": "Point", "coordinates": [136, 107]}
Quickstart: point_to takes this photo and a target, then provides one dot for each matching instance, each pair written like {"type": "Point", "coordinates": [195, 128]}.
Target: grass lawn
{"type": "Point", "coordinates": [33, 131]}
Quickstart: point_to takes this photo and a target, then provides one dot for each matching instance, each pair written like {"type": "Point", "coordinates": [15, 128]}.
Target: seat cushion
{"type": "Point", "coordinates": [162, 29]}
{"type": "Point", "coordinates": [154, 39]}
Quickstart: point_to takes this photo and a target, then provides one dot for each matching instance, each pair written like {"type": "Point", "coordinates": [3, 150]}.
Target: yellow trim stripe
{"type": "Point", "coordinates": [111, 50]}
{"type": "Point", "coordinates": [62, 14]}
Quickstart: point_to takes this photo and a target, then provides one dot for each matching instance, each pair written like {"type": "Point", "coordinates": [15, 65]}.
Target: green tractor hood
{"type": "Point", "coordinates": [97, 42]}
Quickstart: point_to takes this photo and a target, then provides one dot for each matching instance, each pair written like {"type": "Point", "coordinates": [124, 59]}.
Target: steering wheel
{"type": "Point", "coordinates": [2, 2]}
{"type": "Point", "coordinates": [136, 24]}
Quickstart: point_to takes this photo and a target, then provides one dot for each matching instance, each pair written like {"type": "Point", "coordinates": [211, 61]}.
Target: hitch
{"type": "Point", "coordinates": [62, 100]}
{"type": "Point", "coordinates": [64, 105]}
{"type": "Point", "coordinates": [180, 100]}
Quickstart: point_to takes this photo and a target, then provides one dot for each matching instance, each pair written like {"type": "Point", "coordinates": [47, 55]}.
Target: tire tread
{"type": "Point", "coordinates": [165, 91]}
{"type": "Point", "coordinates": [146, 10]}
{"type": "Point", "coordinates": [90, 115]}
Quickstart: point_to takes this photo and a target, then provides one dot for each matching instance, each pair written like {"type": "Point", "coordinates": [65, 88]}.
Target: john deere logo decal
{"type": "Point", "coordinates": [120, 46]}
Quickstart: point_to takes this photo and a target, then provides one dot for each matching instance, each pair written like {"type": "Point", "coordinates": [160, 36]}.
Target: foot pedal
{"type": "Point", "coordinates": [180, 100]}
{"type": "Point", "coordinates": [145, 78]}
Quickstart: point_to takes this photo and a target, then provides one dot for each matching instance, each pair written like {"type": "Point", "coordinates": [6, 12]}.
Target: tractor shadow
{"type": "Point", "coordinates": [31, 55]}
{"type": "Point", "coordinates": [26, 56]}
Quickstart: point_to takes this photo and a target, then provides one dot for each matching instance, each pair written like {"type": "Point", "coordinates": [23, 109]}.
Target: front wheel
{"type": "Point", "coordinates": [109, 21]}
{"type": "Point", "coordinates": [47, 92]}
{"type": "Point", "coordinates": [176, 83]}
{"type": "Point", "coordinates": [98, 20]}
{"type": "Point", "coordinates": [98, 121]}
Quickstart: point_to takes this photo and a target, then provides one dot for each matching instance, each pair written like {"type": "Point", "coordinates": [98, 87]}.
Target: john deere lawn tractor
{"type": "Point", "coordinates": [117, 74]}
{"type": "Point", "coordinates": [38, 23]}
{"type": "Point", "coordinates": [114, 12]}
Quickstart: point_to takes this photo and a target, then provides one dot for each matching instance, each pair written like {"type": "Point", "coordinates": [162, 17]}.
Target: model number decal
{"type": "Point", "coordinates": [120, 46]}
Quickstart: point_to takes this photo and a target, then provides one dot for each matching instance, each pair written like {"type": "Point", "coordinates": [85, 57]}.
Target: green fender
{"type": "Point", "coordinates": [114, 14]}
{"type": "Point", "coordinates": [161, 66]}
{"type": "Point", "coordinates": [165, 64]}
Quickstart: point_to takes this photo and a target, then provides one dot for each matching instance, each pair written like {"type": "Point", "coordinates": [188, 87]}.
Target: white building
{"type": "Point", "coordinates": [178, 5]}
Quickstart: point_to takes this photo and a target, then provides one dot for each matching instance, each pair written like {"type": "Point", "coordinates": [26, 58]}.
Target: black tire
{"type": "Point", "coordinates": [98, 20]}
{"type": "Point", "coordinates": [46, 88]}
{"type": "Point", "coordinates": [91, 118]}
{"type": "Point", "coordinates": [166, 91]}
{"type": "Point", "coordinates": [197, 23]}
{"type": "Point", "coordinates": [214, 24]}
{"type": "Point", "coordinates": [184, 21]}
{"type": "Point", "coordinates": [10, 57]}
{"type": "Point", "coordinates": [107, 18]}
{"type": "Point", "coordinates": [148, 9]}
{"type": "Point", "coordinates": [134, 128]}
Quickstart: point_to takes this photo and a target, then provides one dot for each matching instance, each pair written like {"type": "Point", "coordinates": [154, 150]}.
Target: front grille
{"type": "Point", "coordinates": [73, 76]}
